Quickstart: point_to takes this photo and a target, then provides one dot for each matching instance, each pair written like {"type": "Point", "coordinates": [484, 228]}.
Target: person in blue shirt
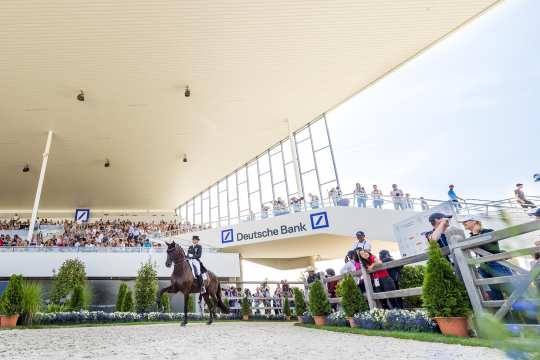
{"type": "Point", "coordinates": [453, 197]}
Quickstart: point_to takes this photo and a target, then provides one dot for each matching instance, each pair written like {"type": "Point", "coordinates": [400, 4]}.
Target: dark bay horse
{"type": "Point", "coordinates": [182, 280]}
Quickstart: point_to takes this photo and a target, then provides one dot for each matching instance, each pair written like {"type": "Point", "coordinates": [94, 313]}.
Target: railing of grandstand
{"type": "Point", "coordinates": [463, 252]}
{"type": "Point", "coordinates": [465, 206]}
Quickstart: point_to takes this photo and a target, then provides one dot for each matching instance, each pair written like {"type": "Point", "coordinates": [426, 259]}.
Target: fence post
{"type": "Point", "coordinates": [466, 275]}
{"type": "Point", "coordinates": [369, 289]}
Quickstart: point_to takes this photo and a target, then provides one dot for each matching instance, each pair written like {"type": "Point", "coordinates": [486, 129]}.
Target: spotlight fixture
{"type": "Point", "coordinates": [184, 159]}
{"type": "Point", "coordinates": [80, 96]}
{"type": "Point", "coordinates": [26, 168]}
{"type": "Point", "coordinates": [107, 163]}
{"type": "Point", "coordinates": [187, 93]}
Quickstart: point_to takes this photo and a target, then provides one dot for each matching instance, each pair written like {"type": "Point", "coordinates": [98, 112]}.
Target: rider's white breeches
{"type": "Point", "coordinates": [195, 267]}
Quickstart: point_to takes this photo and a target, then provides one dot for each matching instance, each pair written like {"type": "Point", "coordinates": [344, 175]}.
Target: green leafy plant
{"type": "Point", "coordinates": [246, 306]}
{"type": "Point", "coordinates": [286, 307]}
{"type": "Point", "coordinates": [55, 308]}
{"type": "Point", "coordinates": [412, 276]}
{"type": "Point", "coordinates": [146, 287]}
{"type": "Point", "coordinates": [127, 306]}
{"type": "Point", "coordinates": [76, 302]}
{"type": "Point", "coordinates": [318, 301]}
{"type": "Point", "coordinates": [299, 302]}
{"type": "Point", "coordinates": [122, 290]}
{"type": "Point", "coordinates": [71, 274]}
{"type": "Point", "coordinates": [166, 302]}
{"type": "Point", "coordinates": [191, 304]}
{"type": "Point", "coordinates": [352, 299]}
{"type": "Point", "coordinates": [226, 302]}
{"type": "Point", "coordinates": [12, 298]}
{"type": "Point", "coordinates": [31, 303]}
{"type": "Point", "coordinates": [443, 295]}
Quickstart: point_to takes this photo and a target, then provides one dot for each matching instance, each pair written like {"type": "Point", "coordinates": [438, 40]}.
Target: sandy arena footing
{"type": "Point", "coordinates": [224, 340]}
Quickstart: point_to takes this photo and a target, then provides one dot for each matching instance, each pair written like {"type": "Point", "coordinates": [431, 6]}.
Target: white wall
{"type": "Point", "coordinates": [107, 264]}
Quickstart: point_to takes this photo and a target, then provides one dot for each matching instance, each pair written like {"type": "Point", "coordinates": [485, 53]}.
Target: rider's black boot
{"type": "Point", "coordinates": [201, 284]}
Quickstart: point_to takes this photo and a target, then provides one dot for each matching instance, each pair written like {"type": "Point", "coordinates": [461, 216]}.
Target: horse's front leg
{"type": "Point", "coordinates": [186, 299]}
{"type": "Point", "coordinates": [160, 293]}
{"type": "Point", "coordinates": [211, 307]}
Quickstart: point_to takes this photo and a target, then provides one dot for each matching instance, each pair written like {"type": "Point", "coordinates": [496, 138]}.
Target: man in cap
{"type": "Point", "coordinates": [194, 255]}
{"type": "Point", "coordinates": [361, 243]}
{"type": "Point", "coordinates": [440, 224]}
{"type": "Point", "coordinates": [312, 276]}
{"type": "Point", "coordinates": [488, 269]}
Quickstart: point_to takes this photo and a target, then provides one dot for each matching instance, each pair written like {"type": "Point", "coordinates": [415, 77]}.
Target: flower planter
{"type": "Point", "coordinates": [300, 319]}
{"type": "Point", "coordinates": [9, 321]}
{"type": "Point", "coordinates": [453, 326]}
{"type": "Point", "coordinates": [245, 317]}
{"type": "Point", "coordinates": [320, 320]}
{"type": "Point", "coordinates": [352, 323]}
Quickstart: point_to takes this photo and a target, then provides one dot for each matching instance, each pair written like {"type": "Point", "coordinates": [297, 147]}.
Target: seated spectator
{"type": "Point", "coordinates": [382, 281]}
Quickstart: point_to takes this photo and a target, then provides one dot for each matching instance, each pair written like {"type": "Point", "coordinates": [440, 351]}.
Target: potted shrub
{"type": "Point", "coordinates": [286, 309]}
{"type": "Point", "coordinates": [246, 308]}
{"type": "Point", "coordinates": [12, 302]}
{"type": "Point", "coordinates": [352, 300]}
{"type": "Point", "coordinates": [444, 296]}
{"type": "Point", "coordinates": [31, 301]}
{"type": "Point", "coordinates": [122, 290]}
{"type": "Point", "coordinates": [300, 304]}
{"type": "Point", "coordinates": [319, 305]}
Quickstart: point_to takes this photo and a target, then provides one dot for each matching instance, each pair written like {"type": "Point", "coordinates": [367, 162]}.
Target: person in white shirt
{"type": "Point", "coordinates": [397, 197]}
{"type": "Point", "coordinates": [361, 243]}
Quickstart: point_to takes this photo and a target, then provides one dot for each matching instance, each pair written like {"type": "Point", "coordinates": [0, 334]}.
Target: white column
{"type": "Point", "coordinates": [292, 142]}
{"type": "Point", "coordinates": [39, 186]}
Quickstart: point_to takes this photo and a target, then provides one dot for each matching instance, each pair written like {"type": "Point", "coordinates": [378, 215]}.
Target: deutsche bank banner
{"type": "Point", "coordinates": [256, 230]}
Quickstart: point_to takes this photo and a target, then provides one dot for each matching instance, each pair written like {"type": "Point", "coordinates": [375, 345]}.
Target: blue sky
{"type": "Point", "coordinates": [466, 111]}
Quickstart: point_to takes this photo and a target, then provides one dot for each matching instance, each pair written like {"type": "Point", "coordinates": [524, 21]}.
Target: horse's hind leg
{"type": "Point", "coordinates": [186, 299]}
{"type": "Point", "coordinates": [210, 303]}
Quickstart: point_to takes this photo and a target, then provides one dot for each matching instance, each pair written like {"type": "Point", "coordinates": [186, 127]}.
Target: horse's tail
{"type": "Point", "coordinates": [220, 303]}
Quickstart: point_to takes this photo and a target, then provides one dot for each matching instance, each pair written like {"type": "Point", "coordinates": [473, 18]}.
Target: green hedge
{"type": "Point", "coordinates": [412, 276]}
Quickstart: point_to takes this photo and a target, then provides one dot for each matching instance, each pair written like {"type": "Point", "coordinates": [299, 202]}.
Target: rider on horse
{"type": "Point", "coordinates": [194, 259]}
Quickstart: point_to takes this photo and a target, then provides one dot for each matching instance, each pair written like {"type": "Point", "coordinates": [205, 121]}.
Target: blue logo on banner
{"type": "Point", "coordinates": [82, 215]}
{"type": "Point", "coordinates": [227, 236]}
{"type": "Point", "coordinates": [319, 220]}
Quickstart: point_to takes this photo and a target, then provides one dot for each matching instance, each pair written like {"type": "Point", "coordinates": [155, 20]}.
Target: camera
{"type": "Point", "coordinates": [26, 168]}
{"type": "Point", "coordinates": [80, 96]}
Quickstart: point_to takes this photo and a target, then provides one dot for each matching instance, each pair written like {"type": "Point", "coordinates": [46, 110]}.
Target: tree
{"type": "Point", "coordinates": [286, 307]}
{"type": "Point", "coordinates": [127, 306]}
{"type": "Point", "coordinates": [443, 295]}
{"type": "Point", "coordinates": [352, 299]}
{"type": "Point", "coordinates": [191, 304]}
{"type": "Point", "coordinates": [299, 302]}
{"type": "Point", "coordinates": [146, 287]}
{"type": "Point", "coordinates": [412, 276]}
{"type": "Point", "coordinates": [12, 298]}
{"type": "Point", "coordinates": [246, 306]}
{"type": "Point", "coordinates": [122, 290]}
{"type": "Point", "coordinates": [318, 301]}
{"type": "Point", "coordinates": [76, 302]}
{"type": "Point", "coordinates": [70, 274]}
{"type": "Point", "coordinates": [166, 303]}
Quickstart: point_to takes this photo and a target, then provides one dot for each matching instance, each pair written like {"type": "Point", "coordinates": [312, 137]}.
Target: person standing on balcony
{"type": "Point", "coordinates": [397, 197]}
{"type": "Point", "coordinates": [424, 204]}
{"type": "Point", "coordinates": [377, 197]}
{"type": "Point", "coordinates": [521, 199]}
{"type": "Point", "coordinates": [313, 201]}
{"type": "Point", "coordinates": [360, 195]}
{"type": "Point", "coordinates": [454, 198]}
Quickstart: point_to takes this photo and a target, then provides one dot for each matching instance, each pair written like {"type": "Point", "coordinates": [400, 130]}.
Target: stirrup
{"type": "Point", "coordinates": [203, 290]}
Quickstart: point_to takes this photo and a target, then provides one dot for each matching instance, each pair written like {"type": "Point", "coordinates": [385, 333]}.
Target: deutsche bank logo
{"type": "Point", "coordinates": [227, 236]}
{"type": "Point", "coordinates": [82, 215]}
{"type": "Point", "coordinates": [319, 220]}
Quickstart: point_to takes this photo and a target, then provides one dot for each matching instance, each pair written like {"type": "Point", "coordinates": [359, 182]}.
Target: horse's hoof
{"type": "Point", "coordinates": [183, 324]}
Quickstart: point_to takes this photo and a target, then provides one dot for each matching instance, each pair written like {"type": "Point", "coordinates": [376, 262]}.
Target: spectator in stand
{"type": "Point", "coordinates": [440, 224]}
{"type": "Point", "coordinates": [332, 195]}
{"type": "Point", "coordinates": [454, 198]}
{"type": "Point", "coordinates": [395, 273]}
{"type": "Point", "coordinates": [377, 197]}
{"type": "Point", "coordinates": [349, 265]}
{"type": "Point", "coordinates": [285, 286]}
{"type": "Point", "coordinates": [312, 276]}
{"type": "Point", "coordinates": [521, 199]}
{"type": "Point", "coordinates": [361, 242]}
{"type": "Point", "coordinates": [424, 204]}
{"type": "Point", "coordinates": [381, 279]}
{"type": "Point", "coordinates": [296, 204]}
{"type": "Point", "coordinates": [278, 293]}
{"type": "Point", "coordinates": [489, 269]}
{"type": "Point", "coordinates": [409, 203]}
{"type": "Point", "coordinates": [397, 197]}
{"type": "Point", "coordinates": [313, 201]}
{"type": "Point", "coordinates": [360, 195]}
{"type": "Point", "coordinates": [264, 211]}
{"type": "Point", "coordinates": [332, 286]}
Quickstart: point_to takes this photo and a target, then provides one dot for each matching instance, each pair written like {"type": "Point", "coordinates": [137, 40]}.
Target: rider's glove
{"type": "Point", "coordinates": [190, 255]}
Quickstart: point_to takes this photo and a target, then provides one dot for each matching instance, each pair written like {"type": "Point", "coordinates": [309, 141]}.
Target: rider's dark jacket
{"type": "Point", "coordinates": [195, 251]}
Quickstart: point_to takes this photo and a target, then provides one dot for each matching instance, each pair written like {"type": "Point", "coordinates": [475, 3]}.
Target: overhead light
{"type": "Point", "coordinates": [107, 163]}
{"type": "Point", "coordinates": [187, 93]}
{"type": "Point", "coordinates": [80, 96]}
{"type": "Point", "coordinates": [26, 168]}
{"type": "Point", "coordinates": [184, 159]}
